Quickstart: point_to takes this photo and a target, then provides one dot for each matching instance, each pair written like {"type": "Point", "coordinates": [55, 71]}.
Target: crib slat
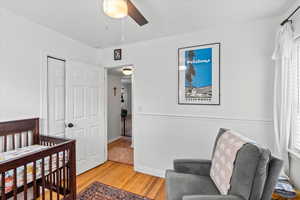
{"type": "Point", "coordinates": [27, 139]}
{"type": "Point", "coordinates": [25, 182]}
{"type": "Point", "coordinates": [68, 171]}
{"type": "Point", "coordinates": [50, 176]}
{"type": "Point", "coordinates": [60, 177]}
{"type": "Point", "coordinates": [15, 184]}
{"type": "Point", "coordinates": [43, 178]}
{"type": "Point", "coordinates": [35, 189]}
{"type": "Point", "coordinates": [20, 140]}
{"type": "Point", "coordinates": [32, 137]}
{"type": "Point", "coordinates": [64, 172]}
{"type": "Point", "coordinates": [3, 186]}
{"type": "Point", "coordinates": [5, 143]}
{"type": "Point", "coordinates": [57, 175]}
{"type": "Point", "coordinates": [13, 141]}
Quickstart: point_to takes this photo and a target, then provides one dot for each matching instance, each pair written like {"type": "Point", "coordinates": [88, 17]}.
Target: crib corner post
{"type": "Point", "coordinates": [36, 132]}
{"type": "Point", "coordinates": [73, 170]}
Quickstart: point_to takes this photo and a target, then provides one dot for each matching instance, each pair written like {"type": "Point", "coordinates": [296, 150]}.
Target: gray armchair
{"type": "Point", "coordinates": [254, 177]}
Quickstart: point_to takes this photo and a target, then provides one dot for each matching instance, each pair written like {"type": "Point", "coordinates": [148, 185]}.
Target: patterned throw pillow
{"type": "Point", "coordinates": [223, 160]}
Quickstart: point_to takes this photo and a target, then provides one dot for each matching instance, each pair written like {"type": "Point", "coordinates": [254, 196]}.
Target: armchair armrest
{"type": "Point", "coordinates": [193, 166]}
{"type": "Point", "coordinates": [212, 197]}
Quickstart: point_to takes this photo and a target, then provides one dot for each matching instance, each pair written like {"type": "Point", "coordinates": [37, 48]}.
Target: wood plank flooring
{"type": "Point", "coordinates": [121, 176]}
{"type": "Point", "coordinates": [124, 177]}
{"type": "Point", "coordinates": [121, 142]}
{"type": "Point", "coordinates": [121, 151]}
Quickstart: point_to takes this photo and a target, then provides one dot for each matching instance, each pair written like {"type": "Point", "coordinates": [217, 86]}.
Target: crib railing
{"type": "Point", "coordinates": [62, 180]}
{"type": "Point", "coordinates": [47, 173]}
{"type": "Point", "coordinates": [17, 134]}
{"type": "Point", "coordinates": [58, 180]}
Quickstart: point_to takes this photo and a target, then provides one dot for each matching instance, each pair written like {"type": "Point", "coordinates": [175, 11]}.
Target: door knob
{"type": "Point", "coordinates": [70, 125]}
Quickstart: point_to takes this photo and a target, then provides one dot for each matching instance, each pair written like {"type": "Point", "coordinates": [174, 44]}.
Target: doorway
{"type": "Point", "coordinates": [119, 114]}
{"type": "Point", "coordinates": [74, 108]}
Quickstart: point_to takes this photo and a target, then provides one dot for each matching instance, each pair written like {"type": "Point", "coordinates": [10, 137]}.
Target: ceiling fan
{"type": "Point", "coordinates": [122, 8]}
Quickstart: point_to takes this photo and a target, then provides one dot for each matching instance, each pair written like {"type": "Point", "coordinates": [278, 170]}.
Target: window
{"type": "Point", "coordinates": [296, 130]}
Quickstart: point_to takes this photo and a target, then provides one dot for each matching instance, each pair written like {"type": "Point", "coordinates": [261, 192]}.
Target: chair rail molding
{"type": "Point", "coordinates": [212, 117]}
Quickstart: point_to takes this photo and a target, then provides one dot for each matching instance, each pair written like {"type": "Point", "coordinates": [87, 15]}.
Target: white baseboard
{"type": "Point", "coordinates": [150, 171]}
{"type": "Point", "coordinates": [115, 139]}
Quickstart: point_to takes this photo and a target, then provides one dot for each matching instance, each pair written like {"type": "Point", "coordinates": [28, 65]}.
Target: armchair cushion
{"type": "Point", "coordinates": [260, 175]}
{"type": "Point", "coordinates": [212, 197]}
{"type": "Point", "coordinates": [193, 166]}
{"type": "Point", "coordinates": [250, 172]}
{"type": "Point", "coordinates": [223, 162]}
{"type": "Point", "coordinates": [274, 168]}
{"type": "Point", "coordinates": [181, 184]}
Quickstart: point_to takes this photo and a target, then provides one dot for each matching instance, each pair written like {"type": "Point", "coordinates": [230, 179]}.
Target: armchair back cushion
{"type": "Point", "coordinates": [223, 162]}
{"type": "Point", "coordinates": [251, 171]}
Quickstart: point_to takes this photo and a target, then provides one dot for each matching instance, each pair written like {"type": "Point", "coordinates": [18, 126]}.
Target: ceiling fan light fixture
{"type": "Point", "coordinates": [127, 71]}
{"type": "Point", "coordinates": [115, 8]}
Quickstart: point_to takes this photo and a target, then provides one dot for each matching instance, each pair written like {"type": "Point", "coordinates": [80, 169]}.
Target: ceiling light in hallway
{"type": "Point", "coordinates": [127, 71]}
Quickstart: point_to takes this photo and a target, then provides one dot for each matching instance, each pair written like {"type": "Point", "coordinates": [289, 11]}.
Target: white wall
{"type": "Point", "coordinates": [165, 130]}
{"type": "Point", "coordinates": [113, 107]}
{"type": "Point", "coordinates": [23, 47]}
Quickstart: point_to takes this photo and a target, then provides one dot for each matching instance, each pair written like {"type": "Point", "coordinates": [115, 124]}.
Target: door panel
{"type": "Point", "coordinates": [56, 97]}
{"type": "Point", "coordinates": [93, 102]}
{"type": "Point", "coordinates": [78, 102]}
{"type": "Point", "coordinates": [85, 86]}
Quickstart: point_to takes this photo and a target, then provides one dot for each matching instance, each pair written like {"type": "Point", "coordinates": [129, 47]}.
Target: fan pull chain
{"type": "Point", "coordinates": [123, 30]}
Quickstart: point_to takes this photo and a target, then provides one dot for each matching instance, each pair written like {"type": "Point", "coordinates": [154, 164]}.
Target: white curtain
{"type": "Point", "coordinates": [284, 93]}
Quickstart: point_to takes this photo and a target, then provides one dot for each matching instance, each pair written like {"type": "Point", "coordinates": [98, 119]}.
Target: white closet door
{"type": "Point", "coordinates": [56, 97]}
{"type": "Point", "coordinates": [85, 113]}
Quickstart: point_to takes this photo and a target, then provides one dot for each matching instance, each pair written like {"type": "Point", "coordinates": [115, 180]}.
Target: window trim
{"type": "Point", "coordinates": [294, 152]}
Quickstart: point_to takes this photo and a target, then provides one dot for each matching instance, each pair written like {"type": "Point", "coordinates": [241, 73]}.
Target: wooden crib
{"type": "Point", "coordinates": [33, 166]}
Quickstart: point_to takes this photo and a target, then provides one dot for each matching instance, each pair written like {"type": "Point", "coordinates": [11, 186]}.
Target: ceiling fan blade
{"type": "Point", "coordinates": [135, 14]}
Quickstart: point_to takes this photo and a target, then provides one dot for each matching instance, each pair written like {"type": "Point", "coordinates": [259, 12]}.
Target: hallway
{"type": "Point", "coordinates": [128, 126]}
{"type": "Point", "coordinates": [121, 151]}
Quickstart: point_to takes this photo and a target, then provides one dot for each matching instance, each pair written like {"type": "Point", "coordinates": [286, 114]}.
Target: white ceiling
{"type": "Point", "coordinates": [85, 21]}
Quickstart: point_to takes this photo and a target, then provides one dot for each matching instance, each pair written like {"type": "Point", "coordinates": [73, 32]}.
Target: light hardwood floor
{"type": "Point", "coordinates": [124, 177]}
{"type": "Point", "coordinates": [121, 142]}
{"type": "Point", "coordinates": [121, 176]}
{"type": "Point", "coordinates": [121, 151]}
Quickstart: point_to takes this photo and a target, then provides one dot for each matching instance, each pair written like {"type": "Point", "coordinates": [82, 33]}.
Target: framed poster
{"type": "Point", "coordinates": [199, 74]}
